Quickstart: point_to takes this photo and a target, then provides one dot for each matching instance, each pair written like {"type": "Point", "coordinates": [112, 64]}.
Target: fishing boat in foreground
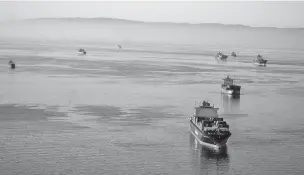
{"type": "Point", "coordinates": [221, 56]}
{"type": "Point", "coordinates": [260, 61]}
{"type": "Point", "coordinates": [208, 128]}
{"type": "Point", "coordinates": [228, 87]}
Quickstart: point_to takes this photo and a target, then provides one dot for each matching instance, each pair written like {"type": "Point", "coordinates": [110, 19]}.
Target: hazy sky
{"type": "Point", "coordinates": [277, 14]}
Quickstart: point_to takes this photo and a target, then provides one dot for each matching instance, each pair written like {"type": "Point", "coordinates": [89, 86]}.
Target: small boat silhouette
{"type": "Point", "coordinates": [82, 51]}
{"type": "Point", "coordinates": [260, 61]}
{"type": "Point", "coordinates": [221, 56]}
{"type": "Point", "coordinates": [13, 65]}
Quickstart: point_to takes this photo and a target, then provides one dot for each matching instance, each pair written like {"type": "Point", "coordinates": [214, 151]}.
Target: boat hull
{"type": "Point", "coordinates": [205, 140]}
{"type": "Point", "coordinates": [259, 64]}
{"type": "Point", "coordinates": [13, 66]}
{"type": "Point", "coordinates": [221, 57]}
{"type": "Point", "coordinates": [81, 53]}
{"type": "Point", "coordinates": [233, 90]}
{"type": "Point", "coordinates": [230, 92]}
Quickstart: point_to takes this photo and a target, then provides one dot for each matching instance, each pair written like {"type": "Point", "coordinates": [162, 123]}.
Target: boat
{"type": "Point", "coordinates": [260, 61]}
{"type": "Point", "coordinates": [12, 63]}
{"type": "Point", "coordinates": [228, 87]}
{"type": "Point", "coordinates": [208, 128]}
{"type": "Point", "coordinates": [119, 46]}
{"type": "Point", "coordinates": [233, 54]}
{"type": "Point", "coordinates": [221, 56]}
{"type": "Point", "coordinates": [82, 51]}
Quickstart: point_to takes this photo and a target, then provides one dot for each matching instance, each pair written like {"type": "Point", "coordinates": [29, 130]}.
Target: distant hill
{"type": "Point", "coordinates": [114, 20]}
{"type": "Point", "coordinates": [122, 31]}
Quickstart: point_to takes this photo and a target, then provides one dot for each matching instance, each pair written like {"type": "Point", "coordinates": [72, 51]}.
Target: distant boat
{"type": "Point", "coordinates": [221, 56]}
{"type": "Point", "coordinates": [233, 54]}
{"type": "Point", "coordinates": [13, 65]}
{"type": "Point", "coordinates": [208, 128]}
{"type": "Point", "coordinates": [82, 52]}
{"type": "Point", "coordinates": [119, 46]}
{"type": "Point", "coordinates": [229, 87]}
{"type": "Point", "coordinates": [260, 61]}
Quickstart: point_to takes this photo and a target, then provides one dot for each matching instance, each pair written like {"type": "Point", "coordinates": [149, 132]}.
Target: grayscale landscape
{"type": "Point", "coordinates": [126, 111]}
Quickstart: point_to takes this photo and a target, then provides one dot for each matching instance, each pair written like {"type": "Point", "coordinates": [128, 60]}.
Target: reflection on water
{"type": "Point", "coordinates": [231, 104]}
{"type": "Point", "coordinates": [208, 161]}
{"type": "Point", "coordinates": [221, 62]}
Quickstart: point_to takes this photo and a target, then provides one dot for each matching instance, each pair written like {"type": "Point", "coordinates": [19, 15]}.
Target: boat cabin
{"type": "Point", "coordinates": [228, 81]}
{"type": "Point", "coordinates": [219, 54]}
{"type": "Point", "coordinates": [206, 110]}
{"type": "Point", "coordinates": [81, 50]}
{"type": "Point", "coordinates": [260, 58]}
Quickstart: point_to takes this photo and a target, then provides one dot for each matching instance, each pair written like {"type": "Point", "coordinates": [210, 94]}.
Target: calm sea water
{"type": "Point", "coordinates": [126, 111]}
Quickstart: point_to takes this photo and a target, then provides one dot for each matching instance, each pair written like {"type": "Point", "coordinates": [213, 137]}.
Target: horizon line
{"type": "Point", "coordinates": [154, 22]}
